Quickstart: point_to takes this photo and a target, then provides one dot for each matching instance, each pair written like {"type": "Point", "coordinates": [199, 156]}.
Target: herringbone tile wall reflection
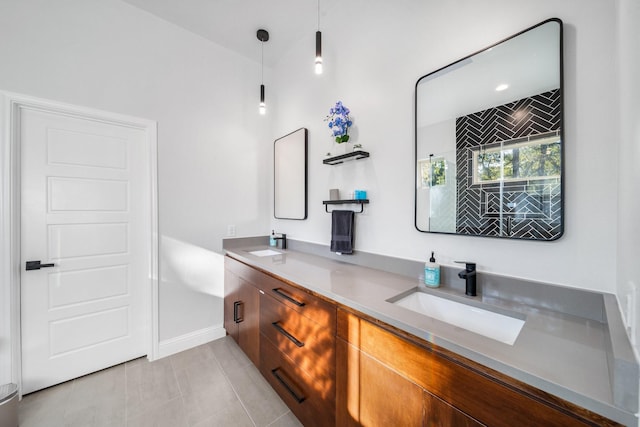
{"type": "Point", "coordinates": [481, 208]}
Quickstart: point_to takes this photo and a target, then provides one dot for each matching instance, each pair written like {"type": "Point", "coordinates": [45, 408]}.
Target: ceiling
{"type": "Point", "coordinates": [528, 63]}
{"type": "Point", "coordinates": [233, 23]}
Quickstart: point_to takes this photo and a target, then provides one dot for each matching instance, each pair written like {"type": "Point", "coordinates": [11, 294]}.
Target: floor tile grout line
{"type": "Point", "coordinates": [281, 416]}
{"type": "Point", "coordinates": [226, 377]}
{"type": "Point", "coordinates": [182, 395]}
{"type": "Point", "coordinates": [67, 399]}
{"type": "Point", "coordinates": [126, 394]}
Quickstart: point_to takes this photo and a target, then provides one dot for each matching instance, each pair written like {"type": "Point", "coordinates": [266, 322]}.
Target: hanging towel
{"type": "Point", "coordinates": [342, 231]}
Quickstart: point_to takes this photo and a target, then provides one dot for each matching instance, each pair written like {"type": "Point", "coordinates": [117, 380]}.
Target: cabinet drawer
{"type": "Point", "coordinates": [313, 402]}
{"type": "Point", "coordinates": [309, 344]}
{"type": "Point", "coordinates": [304, 303]}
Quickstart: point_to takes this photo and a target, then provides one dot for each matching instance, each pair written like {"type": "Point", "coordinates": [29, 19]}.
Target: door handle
{"type": "Point", "coordinates": [236, 316]}
{"type": "Point", "coordinates": [235, 311]}
{"type": "Point", "coordinates": [36, 265]}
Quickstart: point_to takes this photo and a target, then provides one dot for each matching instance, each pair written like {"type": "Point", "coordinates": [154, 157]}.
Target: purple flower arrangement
{"type": "Point", "coordinates": [339, 122]}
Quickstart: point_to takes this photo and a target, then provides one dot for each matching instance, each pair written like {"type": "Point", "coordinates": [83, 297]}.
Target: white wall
{"type": "Point", "coordinates": [374, 52]}
{"type": "Point", "coordinates": [212, 144]}
{"type": "Point", "coordinates": [629, 159]}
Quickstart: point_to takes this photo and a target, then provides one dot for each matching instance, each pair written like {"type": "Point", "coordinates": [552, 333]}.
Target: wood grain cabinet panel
{"type": "Point", "coordinates": [438, 413]}
{"type": "Point", "coordinates": [369, 393]}
{"type": "Point", "coordinates": [311, 400]}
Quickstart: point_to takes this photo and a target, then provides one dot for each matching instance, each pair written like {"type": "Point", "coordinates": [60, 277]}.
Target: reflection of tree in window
{"type": "Point", "coordinates": [539, 160]}
{"type": "Point", "coordinates": [433, 171]}
{"type": "Point", "coordinates": [489, 166]}
{"type": "Point", "coordinates": [534, 159]}
{"type": "Point", "coordinates": [438, 172]}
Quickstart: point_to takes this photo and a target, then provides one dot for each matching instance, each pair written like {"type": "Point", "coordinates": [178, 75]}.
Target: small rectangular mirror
{"type": "Point", "coordinates": [290, 175]}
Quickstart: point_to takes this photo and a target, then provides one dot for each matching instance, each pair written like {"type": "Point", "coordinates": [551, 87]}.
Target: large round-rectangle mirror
{"type": "Point", "coordinates": [489, 140]}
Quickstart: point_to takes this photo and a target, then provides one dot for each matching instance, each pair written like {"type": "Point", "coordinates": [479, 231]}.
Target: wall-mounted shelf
{"type": "Point", "coordinates": [354, 155]}
{"type": "Point", "coordinates": [360, 202]}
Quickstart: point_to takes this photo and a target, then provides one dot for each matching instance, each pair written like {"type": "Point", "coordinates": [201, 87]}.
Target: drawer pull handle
{"type": "Point", "coordinates": [287, 334]}
{"type": "Point", "coordinates": [236, 317]}
{"type": "Point", "coordinates": [287, 297]}
{"type": "Point", "coordinates": [285, 385]}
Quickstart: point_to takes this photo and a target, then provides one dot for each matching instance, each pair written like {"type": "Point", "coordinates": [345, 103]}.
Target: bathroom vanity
{"type": "Point", "coordinates": [329, 339]}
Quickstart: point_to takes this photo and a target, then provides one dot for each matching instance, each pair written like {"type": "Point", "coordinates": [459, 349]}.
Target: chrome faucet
{"type": "Point", "coordinates": [282, 237]}
{"type": "Point", "coordinates": [469, 275]}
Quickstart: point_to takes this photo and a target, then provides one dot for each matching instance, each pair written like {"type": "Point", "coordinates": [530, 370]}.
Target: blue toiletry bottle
{"type": "Point", "coordinates": [432, 273]}
{"type": "Point", "coordinates": [272, 239]}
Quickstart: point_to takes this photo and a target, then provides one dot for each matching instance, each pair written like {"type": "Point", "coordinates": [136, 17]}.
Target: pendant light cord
{"type": "Point", "coordinates": [318, 15]}
{"type": "Point", "coordinates": [262, 62]}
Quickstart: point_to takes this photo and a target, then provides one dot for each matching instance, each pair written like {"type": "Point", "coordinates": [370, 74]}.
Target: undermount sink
{"type": "Point", "coordinates": [265, 252]}
{"type": "Point", "coordinates": [488, 323]}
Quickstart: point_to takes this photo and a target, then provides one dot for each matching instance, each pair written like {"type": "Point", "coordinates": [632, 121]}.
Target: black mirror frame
{"type": "Point", "coordinates": [561, 133]}
{"type": "Point", "coordinates": [306, 172]}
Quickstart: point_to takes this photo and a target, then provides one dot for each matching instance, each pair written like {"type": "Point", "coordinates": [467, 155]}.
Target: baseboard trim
{"type": "Point", "coordinates": [190, 340]}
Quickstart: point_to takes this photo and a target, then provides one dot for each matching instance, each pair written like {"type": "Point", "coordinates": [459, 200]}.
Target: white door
{"type": "Point", "coordinates": [85, 209]}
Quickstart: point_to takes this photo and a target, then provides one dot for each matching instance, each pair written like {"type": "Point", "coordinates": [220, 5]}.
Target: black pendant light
{"type": "Point", "coordinates": [263, 36]}
{"type": "Point", "coordinates": [318, 66]}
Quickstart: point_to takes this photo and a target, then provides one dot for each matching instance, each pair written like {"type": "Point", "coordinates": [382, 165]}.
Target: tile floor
{"type": "Point", "coordinates": [214, 384]}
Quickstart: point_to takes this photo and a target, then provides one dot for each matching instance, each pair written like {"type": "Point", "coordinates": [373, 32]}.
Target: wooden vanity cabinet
{"type": "Point", "coordinates": [374, 363]}
{"type": "Point", "coordinates": [335, 366]}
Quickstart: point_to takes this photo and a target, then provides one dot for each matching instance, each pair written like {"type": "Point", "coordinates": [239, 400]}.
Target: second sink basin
{"type": "Point", "coordinates": [490, 324]}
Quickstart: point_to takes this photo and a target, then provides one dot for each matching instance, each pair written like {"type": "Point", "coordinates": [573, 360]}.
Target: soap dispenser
{"type": "Point", "coordinates": [432, 273]}
{"type": "Point", "coordinates": [272, 239]}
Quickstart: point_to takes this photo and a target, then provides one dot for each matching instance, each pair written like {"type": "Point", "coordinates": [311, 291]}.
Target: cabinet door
{"type": "Point", "coordinates": [249, 321]}
{"type": "Point", "coordinates": [369, 393]}
{"type": "Point", "coordinates": [242, 314]}
{"type": "Point", "coordinates": [440, 414]}
{"type": "Point", "coordinates": [231, 303]}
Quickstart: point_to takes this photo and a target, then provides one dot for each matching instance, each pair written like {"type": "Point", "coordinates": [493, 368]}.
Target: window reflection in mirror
{"type": "Point", "coordinates": [536, 158]}
{"type": "Point", "coordinates": [489, 146]}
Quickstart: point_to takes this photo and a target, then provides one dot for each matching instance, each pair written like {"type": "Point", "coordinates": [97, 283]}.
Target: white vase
{"type": "Point", "coordinates": [341, 148]}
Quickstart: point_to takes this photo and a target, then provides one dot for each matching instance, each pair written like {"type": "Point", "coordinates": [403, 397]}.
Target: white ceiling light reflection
{"type": "Point", "coordinates": [501, 87]}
